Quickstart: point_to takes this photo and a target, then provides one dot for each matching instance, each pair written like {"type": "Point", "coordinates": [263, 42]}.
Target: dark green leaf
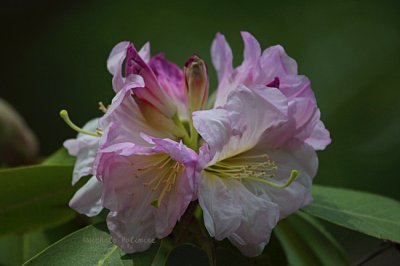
{"type": "Point", "coordinates": [34, 197]}
{"type": "Point", "coordinates": [17, 249]}
{"type": "Point", "coordinates": [306, 242]}
{"type": "Point", "coordinates": [60, 157]}
{"type": "Point", "coordinates": [90, 246]}
{"type": "Point", "coordinates": [364, 212]}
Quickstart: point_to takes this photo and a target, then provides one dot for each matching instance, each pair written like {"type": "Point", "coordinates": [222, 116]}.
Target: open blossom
{"type": "Point", "coordinates": [259, 159]}
{"type": "Point", "coordinates": [256, 161]}
{"type": "Point", "coordinates": [144, 173]}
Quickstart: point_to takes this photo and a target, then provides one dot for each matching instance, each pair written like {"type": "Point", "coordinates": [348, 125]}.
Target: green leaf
{"type": "Point", "coordinates": [60, 157]}
{"type": "Point", "coordinates": [34, 197]}
{"type": "Point", "coordinates": [90, 246]}
{"type": "Point", "coordinates": [306, 242]}
{"type": "Point", "coordinates": [364, 212]}
{"type": "Point", "coordinates": [16, 249]}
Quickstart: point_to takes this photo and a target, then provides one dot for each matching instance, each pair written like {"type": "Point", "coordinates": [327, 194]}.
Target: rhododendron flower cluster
{"type": "Point", "coordinates": [249, 161]}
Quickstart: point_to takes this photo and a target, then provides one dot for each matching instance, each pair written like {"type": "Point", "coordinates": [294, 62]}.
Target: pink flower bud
{"type": "Point", "coordinates": [196, 83]}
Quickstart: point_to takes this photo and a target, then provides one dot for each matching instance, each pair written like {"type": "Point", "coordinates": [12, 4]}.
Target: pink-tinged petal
{"type": "Point", "coordinates": [293, 156]}
{"type": "Point", "coordinates": [152, 92]}
{"type": "Point", "coordinates": [132, 229]}
{"type": "Point", "coordinates": [145, 52]}
{"type": "Point", "coordinates": [296, 86]}
{"type": "Point", "coordinates": [231, 210]}
{"type": "Point", "coordinates": [170, 78]}
{"type": "Point", "coordinates": [87, 200]}
{"type": "Point", "coordinates": [128, 120]}
{"type": "Point", "coordinates": [175, 203]}
{"type": "Point", "coordinates": [177, 150]}
{"type": "Point", "coordinates": [168, 72]}
{"type": "Point", "coordinates": [309, 127]}
{"type": "Point", "coordinates": [229, 131]}
{"type": "Point", "coordinates": [259, 217]}
{"type": "Point", "coordinates": [84, 147]}
{"type": "Point", "coordinates": [267, 107]}
{"type": "Point", "coordinates": [276, 63]}
{"type": "Point", "coordinates": [248, 73]}
{"type": "Point", "coordinates": [221, 209]}
{"type": "Point", "coordinates": [319, 137]}
{"type": "Point", "coordinates": [215, 127]}
{"type": "Point", "coordinates": [116, 57]}
{"type": "Point", "coordinates": [221, 55]}
{"type": "Point", "coordinates": [114, 64]}
{"type": "Point", "coordinates": [303, 115]}
{"type": "Point", "coordinates": [252, 49]}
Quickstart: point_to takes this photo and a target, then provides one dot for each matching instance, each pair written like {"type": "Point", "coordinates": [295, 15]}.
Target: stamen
{"type": "Point", "coordinates": [102, 107]}
{"type": "Point", "coordinates": [249, 169]}
{"type": "Point", "coordinates": [169, 181]}
{"type": "Point", "coordinates": [292, 177]}
{"type": "Point", "coordinates": [65, 117]}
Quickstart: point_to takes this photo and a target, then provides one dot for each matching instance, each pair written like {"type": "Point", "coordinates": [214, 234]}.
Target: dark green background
{"type": "Point", "coordinates": [54, 56]}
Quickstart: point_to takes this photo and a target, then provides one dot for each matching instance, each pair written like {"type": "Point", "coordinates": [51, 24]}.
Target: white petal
{"type": "Point", "coordinates": [84, 147]}
{"type": "Point", "coordinates": [114, 64]}
{"type": "Point", "coordinates": [145, 52]}
{"type": "Point", "coordinates": [221, 209]}
{"type": "Point", "coordinates": [87, 200]}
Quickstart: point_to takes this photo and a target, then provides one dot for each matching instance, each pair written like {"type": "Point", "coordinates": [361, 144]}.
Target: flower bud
{"type": "Point", "coordinates": [18, 144]}
{"type": "Point", "coordinates": [196, 83]}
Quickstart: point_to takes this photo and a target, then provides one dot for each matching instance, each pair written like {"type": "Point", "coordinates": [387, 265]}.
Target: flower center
{"type": "Point", "coordinates": [167, 173]}
{"type": "Point", "coordinates": [255, 168]}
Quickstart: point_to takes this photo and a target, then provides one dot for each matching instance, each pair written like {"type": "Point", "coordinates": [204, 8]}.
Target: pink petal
{"type": "Point", "coordinates": [229, 131]}
{"type": "Point", "coordinates": [221, 55]}
{"type": "Point", "coordinates": [129, 123]}
{"type": "Point", "coordinates": [295, 86]}
{"type": "Point", "coordinates": [171, 80]}
{"type": "Point", "coordinates": [152, 92]}
{"type": "Point", "coordinates": [276, 63]}
{"type": "Point", "coordinates": [319, 137]}
{"type": "Point", "coordinates": [114, 64]}
{"type": "Point", "coordinates": [215, 128]}
{"type": "Point", "coordinates": [252, 49]}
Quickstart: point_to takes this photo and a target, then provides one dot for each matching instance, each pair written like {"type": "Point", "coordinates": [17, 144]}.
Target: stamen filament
{"type": "Point", "coordinates": [102, 107]}
{"type": "Point", "coordinates": [67, 120]}
{"type": "Point", "coordinates": [292, 177]}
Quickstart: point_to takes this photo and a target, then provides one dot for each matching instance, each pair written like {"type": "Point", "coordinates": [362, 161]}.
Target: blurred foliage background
{"type": "Point", "coordinates": [54, 56]}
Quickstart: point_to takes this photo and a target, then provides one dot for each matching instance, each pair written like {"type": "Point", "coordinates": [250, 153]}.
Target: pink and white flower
{"type": "Point", "coordinates": [259, 159]}
{"type": "Point", "coordinates": [144, 174]}
{"type": "Point", "coordinates": [256, 164]}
